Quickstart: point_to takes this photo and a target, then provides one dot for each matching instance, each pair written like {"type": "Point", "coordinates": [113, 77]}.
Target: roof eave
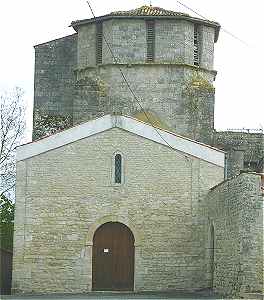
{"type": "Point", "coordinates": [132, 125]}
{"type": "Point", "coordinates": [76, 24]}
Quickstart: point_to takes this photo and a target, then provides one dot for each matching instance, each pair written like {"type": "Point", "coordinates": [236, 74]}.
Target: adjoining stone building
{"type": "Point", "coordinates": [142, 201]}
{"type": "Point", "coordinates": [235, 214]}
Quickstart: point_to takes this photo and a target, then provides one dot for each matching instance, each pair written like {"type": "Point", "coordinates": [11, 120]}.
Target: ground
{"type": "Point", "coordinates": [123, 295]}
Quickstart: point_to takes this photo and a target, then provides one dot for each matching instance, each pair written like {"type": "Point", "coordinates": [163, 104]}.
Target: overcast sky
{"type": "Point", "coordinates": [239, 83]}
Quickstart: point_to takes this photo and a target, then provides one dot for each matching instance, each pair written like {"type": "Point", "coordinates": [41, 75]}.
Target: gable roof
{"type": "Point", "coordinates": [158, 135]}
{"type": "Point", "coordinates": [147, 12]}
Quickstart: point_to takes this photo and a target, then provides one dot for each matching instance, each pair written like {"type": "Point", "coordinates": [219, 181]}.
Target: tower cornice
{"type": "Point", "coordinates": [148, 12]}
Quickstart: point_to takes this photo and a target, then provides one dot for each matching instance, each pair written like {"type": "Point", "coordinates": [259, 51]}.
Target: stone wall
{"type": "Point", "coordinates": [245, 151]}
{"type": "Point", "coordinates": [159, 86]}
{"type": "Point", "coordinates": [181, 96]}
{"type": "Point", "coordinates": [174, 42]}
{"type": "Point", "coordinates": [63, 195]}
{"type": "Point", "coordinates": [55, 62]}
{"type": "Point", "coordinates": [207, 47]}
{"type": "Point", "coordinates": [64, 97]}
{"type": "Point", "coordinates": [86, 56]}
{"type": "Point", "coordinates": [95, 90]}
{"type": "Point", "coordinates": [235, 211]}
{"type": "Point", "coordinates": [6, 271]}
{"type": "Point", "coordinates": [128, 40]}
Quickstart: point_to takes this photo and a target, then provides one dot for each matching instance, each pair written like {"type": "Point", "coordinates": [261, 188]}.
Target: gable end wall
{"type": "Point", "coordinates": [63, 193]}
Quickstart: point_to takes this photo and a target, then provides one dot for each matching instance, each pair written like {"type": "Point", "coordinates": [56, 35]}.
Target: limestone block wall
{"type": "Point", "coordinates": [172, 37]}
{"type": "Point", "coordinates": [251, 146]}
{"type": "Point", "coordinates": [235, 210]}
{"type": "Point", "coordinates": [206, 47]}
{"type": "Point", "coordinates": [159, 86]}
{"type": "Point", "coordinates": [86, 41]}
{"type": "Point", "coordinates": [159, 89]}
{"type": "Point", "coordinates": [108, 28]}
{"type": "Point", "coordinates": [174, 42]}
{"type": "Point", "coordinates": [65, 194]}
{"type": "Point", "coordinates": [128, 40]}
{"type": "Point", "coordinates": [55, 62]}
{"type": "Point", "coordinates": [71, 87]}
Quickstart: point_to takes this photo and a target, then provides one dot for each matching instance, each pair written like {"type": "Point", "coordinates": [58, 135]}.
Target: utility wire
{"type": "Point", "coordinates": [223, 29]}
{"type": "Point", "coordinates": [127, 83]}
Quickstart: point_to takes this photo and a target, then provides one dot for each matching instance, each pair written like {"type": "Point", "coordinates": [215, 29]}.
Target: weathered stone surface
{"type": "Point", "coordinates": [62, 195]}
{"type": "Point", "coordinates": [70, 86]}
{"type": "Point", "coordinates": [99, 89]}
{"type": "Point", "coordinates": [244, 150]}
{"type": "Point", "coordinates": [55, 62]}
{"type": "Point", "coordinates": [69, 191]}
{"type": "Point", "coordinates": [159, 89]}
{"type": "Point", "coordinates": [235, 209]}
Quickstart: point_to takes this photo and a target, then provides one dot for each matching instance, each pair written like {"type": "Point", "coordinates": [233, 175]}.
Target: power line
{"type": "Point", "coordinates": [223, 29]}
{"type": "Point", "coordinates": [127, 83]}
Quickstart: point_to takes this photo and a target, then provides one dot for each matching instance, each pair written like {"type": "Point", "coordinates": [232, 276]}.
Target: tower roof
{"type": "Point", "coordinates": [148, 12]}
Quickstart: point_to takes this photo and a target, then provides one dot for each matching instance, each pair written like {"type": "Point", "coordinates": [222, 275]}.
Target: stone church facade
{"type": "Point", "coordinates": [113, 195]}
{"type": "Point", "coordinates": [158, 199]}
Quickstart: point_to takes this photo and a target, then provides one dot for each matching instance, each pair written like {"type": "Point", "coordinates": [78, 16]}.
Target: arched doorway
{"type": "Point", "coordinates": [113, 258]}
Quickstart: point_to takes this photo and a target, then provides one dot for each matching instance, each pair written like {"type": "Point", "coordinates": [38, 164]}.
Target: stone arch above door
{"type": "Point", "coordinates": [113, 218]}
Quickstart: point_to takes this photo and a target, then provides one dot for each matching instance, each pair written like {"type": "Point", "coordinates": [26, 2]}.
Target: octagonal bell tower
{"type": "Point", "coordinates": [166, 58]}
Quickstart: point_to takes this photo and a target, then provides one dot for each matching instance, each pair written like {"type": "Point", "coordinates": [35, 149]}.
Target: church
{"type": "Point", "coordinates": [126, 185]}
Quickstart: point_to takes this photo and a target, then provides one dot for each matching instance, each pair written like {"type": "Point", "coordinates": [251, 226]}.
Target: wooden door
{"type": "Point", "coordinates": [113, 258]}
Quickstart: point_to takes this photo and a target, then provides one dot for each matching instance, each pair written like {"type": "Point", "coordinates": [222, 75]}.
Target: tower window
{"type": "Point", "coordinates": [118, 168]}
{"type": "Point", "coordinates": [196, 56]}
{"type": "Point", "coordinates": [150, 30]}
{"type": "Point", "coordinates": [99, 42]}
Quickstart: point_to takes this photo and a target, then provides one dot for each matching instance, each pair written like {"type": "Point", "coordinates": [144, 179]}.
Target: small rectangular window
{"type": "Point", "coordinates": [196, 54]}
{"type": "Point", "coordinates": [99, 42]}
{"type": "Point", "coordinates": [150, 31]}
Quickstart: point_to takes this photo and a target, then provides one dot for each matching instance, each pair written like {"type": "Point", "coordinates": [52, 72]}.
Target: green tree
{"type": "Point", "coordinates": [12, 126]}
{"type": "Point", "coordinates": [6, 223]}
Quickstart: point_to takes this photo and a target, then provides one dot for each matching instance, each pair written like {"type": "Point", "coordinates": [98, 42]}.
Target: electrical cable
{"type": "Point", "coordinates": [223, 29]}
{"type": "Point", "coordinates": [127, 83]}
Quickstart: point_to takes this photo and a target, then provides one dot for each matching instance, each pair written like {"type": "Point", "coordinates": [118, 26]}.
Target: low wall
{"type": "Point", "coordinates": [5, 271]}
{"type": "Point", "coordinates": [235, 212]}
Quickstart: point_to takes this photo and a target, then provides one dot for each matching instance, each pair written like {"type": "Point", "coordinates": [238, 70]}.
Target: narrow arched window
{"type": "Point", "coordinates": [118, 168]}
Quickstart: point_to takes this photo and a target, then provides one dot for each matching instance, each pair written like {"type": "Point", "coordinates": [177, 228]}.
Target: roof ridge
{"type": "Point", "coordinates": [132, 125]}
{"type": "Point", "coordinates": [130, 117]}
